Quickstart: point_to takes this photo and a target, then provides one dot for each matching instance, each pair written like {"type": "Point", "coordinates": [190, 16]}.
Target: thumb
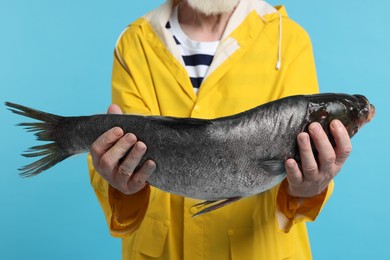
{"type": "Point", "coordinates": [114, 109]}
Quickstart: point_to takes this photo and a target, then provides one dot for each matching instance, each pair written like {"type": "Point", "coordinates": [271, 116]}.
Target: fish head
{"type": "Point", "coordinates": [353, 111]}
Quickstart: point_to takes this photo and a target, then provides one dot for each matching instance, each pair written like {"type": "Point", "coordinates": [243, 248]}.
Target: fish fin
{"type": "Point", "coordinates": [177, 122]}
{"type": "Point", "coordinates": [220, 204]}
{"type": "Point", "coordinates": [32, 113]}
{"type": "Point", "coordinates": [273, 167]}
{"type": "Point", "coordinates": [45, 130]}
{"type": "Point", "coordinates": [204, 203]}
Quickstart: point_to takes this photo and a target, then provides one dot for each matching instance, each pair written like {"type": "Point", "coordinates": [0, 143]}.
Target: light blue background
{"type": "Point", "coordinates": [57, 56]}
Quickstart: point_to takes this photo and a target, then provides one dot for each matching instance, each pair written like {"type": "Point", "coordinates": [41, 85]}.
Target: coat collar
{"type": "Point", "coordinates": [230, 44]}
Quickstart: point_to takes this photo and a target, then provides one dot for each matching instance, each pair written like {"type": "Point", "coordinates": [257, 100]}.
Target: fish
{"type": "Point", "coordinates": [217, 160]}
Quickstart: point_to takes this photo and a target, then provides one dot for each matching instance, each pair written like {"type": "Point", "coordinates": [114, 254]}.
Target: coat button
{"type": "Point", "coordinates": [197, 108]}
{"type": "Point", "coordinates": [230, 232]}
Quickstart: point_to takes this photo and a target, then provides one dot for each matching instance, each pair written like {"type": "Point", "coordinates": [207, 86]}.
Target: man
{"type": "Point", "coordinates": [257, 55]}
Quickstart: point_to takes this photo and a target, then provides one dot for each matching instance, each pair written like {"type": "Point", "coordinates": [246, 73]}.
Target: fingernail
{"type": "Point", "coordinates": [315, 128]}
{"type": "Point", "coordinates": [303, 138]}
{"type": "Point", "coordinates": [117, 131]}
{"type": "Point", "coordinates": [290, 164]}
{"type": "Point", "coordinates": [131, 138]}
{"type": "Point", "coordinates": [150, 164]}
{"type": "Point", "coordinates": [140, 147]}
{"type": "Point", "coordinates": [337, 123]}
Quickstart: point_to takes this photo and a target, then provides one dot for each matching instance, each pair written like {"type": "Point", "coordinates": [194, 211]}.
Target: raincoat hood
{"type": "Point", "coordinates": [159, 17]}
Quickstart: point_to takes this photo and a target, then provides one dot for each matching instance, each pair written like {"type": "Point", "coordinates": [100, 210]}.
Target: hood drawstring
{"type": "Point", "coordinates": [279, 62]}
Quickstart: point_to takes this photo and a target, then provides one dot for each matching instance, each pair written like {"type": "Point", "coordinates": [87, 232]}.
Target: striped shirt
{"type": "Point", "coordinates": [197, 56]}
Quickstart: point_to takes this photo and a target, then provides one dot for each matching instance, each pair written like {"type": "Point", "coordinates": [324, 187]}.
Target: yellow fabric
{"type": "Point", "coordinates": [147, 79]}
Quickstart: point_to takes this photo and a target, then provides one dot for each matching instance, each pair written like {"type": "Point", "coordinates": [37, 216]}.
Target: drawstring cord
{"type": "Point", "coordinates": [279, 62]}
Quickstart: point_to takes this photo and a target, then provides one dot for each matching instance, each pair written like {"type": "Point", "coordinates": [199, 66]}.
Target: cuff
{"type": "Point", "coordinates": [127, 211]}
{"type": "Point", "coordinates": [291, 210]}
{"type": "Point", "coordinates": [124, 213]}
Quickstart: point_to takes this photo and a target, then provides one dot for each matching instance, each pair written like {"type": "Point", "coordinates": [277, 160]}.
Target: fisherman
{"type": "Point", "coordinates": [208, 59]}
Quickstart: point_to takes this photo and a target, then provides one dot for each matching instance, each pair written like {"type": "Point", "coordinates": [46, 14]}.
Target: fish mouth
{"type": "Point", "coordinates": [370, 108]}
{"type": "Point", "coordinates": [371, 112]}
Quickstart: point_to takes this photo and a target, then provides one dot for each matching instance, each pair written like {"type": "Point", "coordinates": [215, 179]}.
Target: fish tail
{"type": "Point", "coordinates": [52, 153]}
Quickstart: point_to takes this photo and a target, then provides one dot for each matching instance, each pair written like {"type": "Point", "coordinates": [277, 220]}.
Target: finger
{"type": "Point", "coordinates": [326, 154]}
{"type": "Point", "coordinates": [104, 143]}
{"type": "Point", "coordinates": [343, 142]}
{"type": "Point", "coordinates": [294, 174]}
{"type": "Point", "coordinates": [133, 159]}
{"type": "Point", "coordinates": [114, 109]}
{"type": "Point", "coordinates": [139, 179]}
{"type": "Point", "coordinates": [110, 160]}
{"type": "Point", "coordinates": [308, 161]}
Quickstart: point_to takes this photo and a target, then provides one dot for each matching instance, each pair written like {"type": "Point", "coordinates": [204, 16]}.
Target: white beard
{"type": "Point", "coordinates": [213, 7]}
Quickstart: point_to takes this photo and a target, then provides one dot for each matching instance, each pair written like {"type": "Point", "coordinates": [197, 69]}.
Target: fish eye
{"type": "Point", "coordinates": [363, 112]}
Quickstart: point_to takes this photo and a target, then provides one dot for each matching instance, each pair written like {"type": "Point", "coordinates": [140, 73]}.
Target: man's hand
{"type": "Point", "coordinates": [315, 176]}
{"type": "Point", "coordinates": [116, 155]}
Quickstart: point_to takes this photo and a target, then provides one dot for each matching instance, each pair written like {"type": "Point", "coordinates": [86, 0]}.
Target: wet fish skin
{"type": "Point", "coordinates": [222, 158]}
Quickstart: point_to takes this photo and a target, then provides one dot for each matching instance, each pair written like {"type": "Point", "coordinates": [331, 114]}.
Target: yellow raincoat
{"type": "Point", "coordinates": [149, 78]}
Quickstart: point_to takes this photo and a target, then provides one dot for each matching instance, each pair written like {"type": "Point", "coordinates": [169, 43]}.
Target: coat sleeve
{"type": "Point", "coordinates": [300, 78]}
{"type": "Point", "coordinates": [124, 213]}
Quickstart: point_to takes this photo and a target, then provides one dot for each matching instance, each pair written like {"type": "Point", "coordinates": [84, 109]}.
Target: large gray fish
{"type": "Point", "coordinates": [222, 159]}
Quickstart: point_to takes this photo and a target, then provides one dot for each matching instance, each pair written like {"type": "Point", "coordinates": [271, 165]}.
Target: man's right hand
{"type": "Point", "coordinates": [116, 156]}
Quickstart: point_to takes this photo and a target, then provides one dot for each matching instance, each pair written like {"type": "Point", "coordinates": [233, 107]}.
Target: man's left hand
{"type": "Point", "coordinates": [314, 175]}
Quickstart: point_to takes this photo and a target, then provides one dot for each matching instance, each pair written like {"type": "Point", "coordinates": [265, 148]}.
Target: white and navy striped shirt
{"type": "Point", "coordinates": [197, 56]}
